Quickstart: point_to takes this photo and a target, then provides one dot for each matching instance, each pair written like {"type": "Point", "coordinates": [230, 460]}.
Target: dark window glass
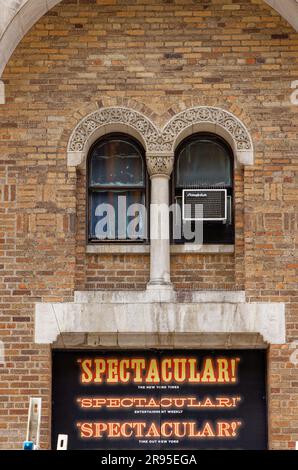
{"type": "Point", "coordinates": [205, 161]}
{"type": "Point", "coordinates": [117, 163]}
{"type": "Point", "coordinates": [117, 182]}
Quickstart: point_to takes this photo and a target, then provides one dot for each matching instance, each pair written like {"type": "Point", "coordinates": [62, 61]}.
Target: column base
{"type": "Point", "coordinates": [161, 292]}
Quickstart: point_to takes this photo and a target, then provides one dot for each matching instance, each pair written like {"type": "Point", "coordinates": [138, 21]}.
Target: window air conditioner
{"type": "Point", "coordinates": [204, 204]}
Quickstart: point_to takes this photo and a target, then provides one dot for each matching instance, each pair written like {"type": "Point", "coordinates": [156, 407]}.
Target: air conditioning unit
{"type": "Point", "coordinates": [204, 204]}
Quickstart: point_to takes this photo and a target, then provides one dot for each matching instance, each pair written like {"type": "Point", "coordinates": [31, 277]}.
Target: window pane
{"type": "Point", "coordinates": [203, 163]}
{"type": "Point", "coordinates": [109, 217]}
{"type": "Point", "coordinates": [116, 163]}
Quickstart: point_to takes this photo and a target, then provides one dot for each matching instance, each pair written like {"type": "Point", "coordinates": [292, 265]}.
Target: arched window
{"type": "Point", "coordinates": [205, 161]}
{"type": "Point", "coordinates": [117, 190]}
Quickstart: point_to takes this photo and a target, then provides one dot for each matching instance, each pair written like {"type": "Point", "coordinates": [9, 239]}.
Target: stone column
{"type": "Point", "coordinates": [160, 169]}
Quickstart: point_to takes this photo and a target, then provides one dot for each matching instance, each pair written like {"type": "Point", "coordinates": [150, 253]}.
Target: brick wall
{"type": "Point", "coordinates": [161, 56]}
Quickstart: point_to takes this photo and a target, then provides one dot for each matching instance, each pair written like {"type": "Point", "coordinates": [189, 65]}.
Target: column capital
{"type": "Point", "coordinates": [160, 165]}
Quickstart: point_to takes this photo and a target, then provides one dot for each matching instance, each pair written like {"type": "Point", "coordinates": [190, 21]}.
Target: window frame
{"type": "Point", "coordinates": [173, 188]}
{"type": "Point", "coordinates": [92, 188]}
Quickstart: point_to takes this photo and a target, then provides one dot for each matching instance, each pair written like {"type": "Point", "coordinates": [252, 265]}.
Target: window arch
{"type": "Point", "coordinates": [205, 161]}
{"type": "Point", "coordinates": [117, 187]}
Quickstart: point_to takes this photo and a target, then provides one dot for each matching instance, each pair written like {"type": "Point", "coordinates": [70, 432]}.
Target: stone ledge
{"type": "Point", "coordinates": [164, 320]}
{"type": "Point", "coordinates": [2, 92]}
{"type": "Point", "coordinates": [203, 249]}
{"type": "Point", "coordinates": [165, 341]}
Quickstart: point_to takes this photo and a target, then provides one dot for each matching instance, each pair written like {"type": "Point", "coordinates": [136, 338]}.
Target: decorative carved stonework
{"type": "Point", "coordinates": [160, 165]}
{"type": "Point", "coordinates": [160, 142]}
{"type": "Point", "coordinates": [204, 114]}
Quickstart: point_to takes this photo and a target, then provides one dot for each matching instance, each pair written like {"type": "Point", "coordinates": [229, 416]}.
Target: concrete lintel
{"type": "Point", "coordinates": [287, 9]}
{"type": "Point", "coordinates": [168, 319]}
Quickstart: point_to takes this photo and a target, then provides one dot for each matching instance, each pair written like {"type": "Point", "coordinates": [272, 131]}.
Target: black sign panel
{"type": "Point", "coordinates": [160, 399]}
{"type": "Point", "coordinates": [204, 204]}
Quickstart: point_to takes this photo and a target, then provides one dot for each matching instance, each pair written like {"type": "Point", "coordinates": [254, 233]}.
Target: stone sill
{"type": "Point", "coordinates": [115, 248]}
{"type": "Point", "coordinates": [204, 249]}
{"type": "Point", "coordinates": [157, 295]}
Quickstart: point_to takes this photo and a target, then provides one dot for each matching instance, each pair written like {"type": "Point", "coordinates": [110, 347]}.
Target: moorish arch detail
{"type": "Point", "coordinates": [159, 144]}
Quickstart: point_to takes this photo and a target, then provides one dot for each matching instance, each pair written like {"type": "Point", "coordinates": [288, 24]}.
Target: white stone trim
{"type": "Point", "coordinates": [159, 144]}
{"type": "Point", "coordinates": [160, 165]}
{"type": "Point", "coordinates": [159, 231]}
{"type": "Point", "coordinates": [20, 23]}
{"type": "Point", "coordinates": [168, 320]}
{"type": "Point", "coordinates": [2, 92]}
{"type": "Point", "coordinates": [215, 120]}
{"type": "Point", "coordinates": [157, 341]}
{"type": "Point", "coordinates": [142, 249]}
{"type": "Point", "coordinates": [288, 9]}
{"type": "Point", "coordinates": [160, 295]}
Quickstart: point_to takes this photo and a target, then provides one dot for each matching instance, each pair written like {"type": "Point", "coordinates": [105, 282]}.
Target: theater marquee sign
{"type": "Point", "coordinates": [160, 399]}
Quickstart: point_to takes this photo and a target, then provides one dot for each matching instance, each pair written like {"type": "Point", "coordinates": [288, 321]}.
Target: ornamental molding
{"type": "Point", "coordinates": [162, 320]}
{"type": "Point", "coordinates": [160, 165]}
{"type": "Point", "coordinates": [159, 144]}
